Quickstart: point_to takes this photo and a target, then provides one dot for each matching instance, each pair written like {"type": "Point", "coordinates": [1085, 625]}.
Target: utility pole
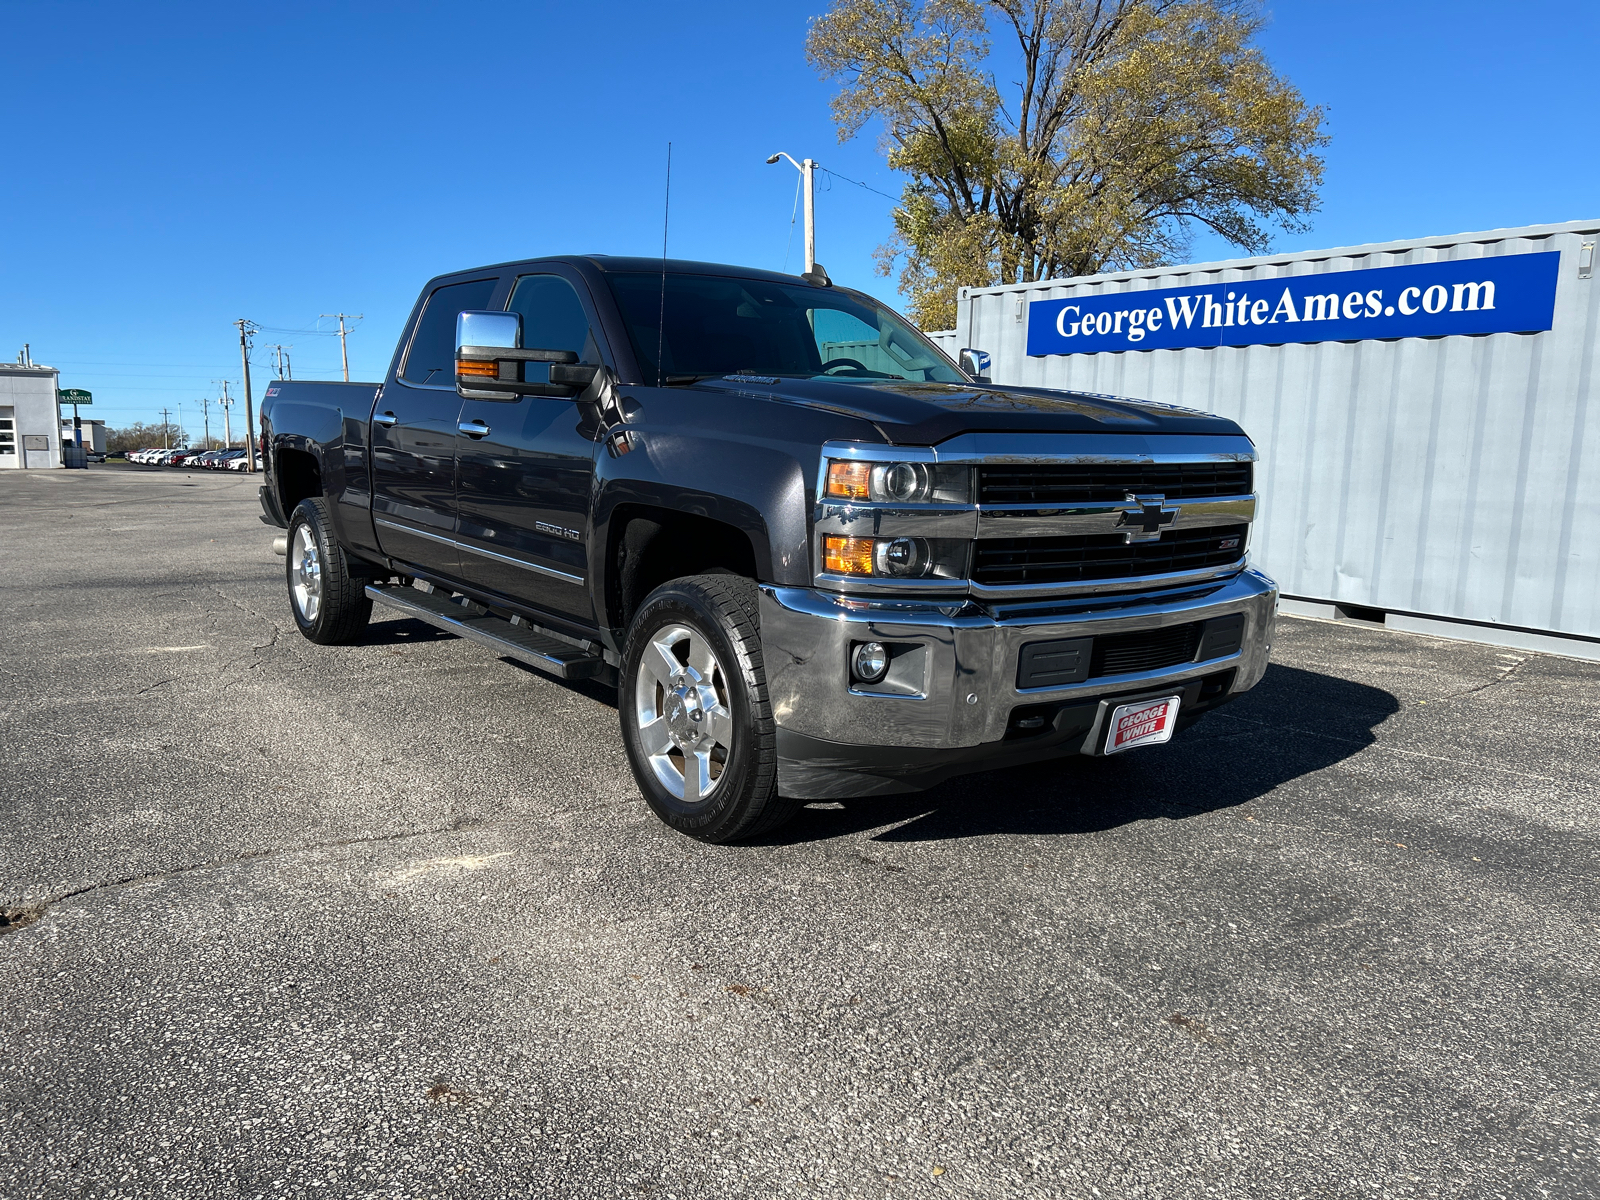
{"type": "Point", "coordinates": [246, 328]}
{"type": "Point", "coordinates": [343, 353]}
{"type": "Point", "coordinates": [808, 172]}
{"type": "Point", "coordinates": [227, 412]}
{"type": "Point", "coordinates": [205, 410]}
{"type": "Point", "coordinates": [166, 429]}
{"type": "Point", "coordinates": [285, 370]}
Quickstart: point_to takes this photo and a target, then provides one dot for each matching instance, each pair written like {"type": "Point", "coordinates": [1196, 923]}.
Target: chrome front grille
{"type": "Point", "coordinates": [1088, 483]}
{"type": "Point", "coordinates": [999, 562]}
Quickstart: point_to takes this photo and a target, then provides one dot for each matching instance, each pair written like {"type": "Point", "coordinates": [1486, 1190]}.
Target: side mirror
{"type": "Point", "coordinates": [491, 363]}
{"type": "Point", "coordinates": [976, 364]}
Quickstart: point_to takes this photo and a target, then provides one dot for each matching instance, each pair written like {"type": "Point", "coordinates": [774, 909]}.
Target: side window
{"type": "Point", "coordinates": [432, 356]}
{"type": "Point", "coordinates": [553, 317]}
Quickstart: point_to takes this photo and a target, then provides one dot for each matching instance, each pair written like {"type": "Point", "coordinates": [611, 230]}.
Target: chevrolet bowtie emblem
{"type": "Point", "coordinates": [1146, 519]}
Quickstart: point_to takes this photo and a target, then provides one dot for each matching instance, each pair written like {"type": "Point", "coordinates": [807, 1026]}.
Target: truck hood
{"type": "Point", "coordinates": [924, 414]}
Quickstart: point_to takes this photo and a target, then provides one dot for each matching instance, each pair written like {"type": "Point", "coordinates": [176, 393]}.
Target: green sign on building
{"type": "Point", "coordinates": [74, 396]}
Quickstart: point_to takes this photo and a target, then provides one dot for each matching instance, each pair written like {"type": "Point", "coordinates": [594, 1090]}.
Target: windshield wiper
{"type": "Point", "coordinates": [682, 380]}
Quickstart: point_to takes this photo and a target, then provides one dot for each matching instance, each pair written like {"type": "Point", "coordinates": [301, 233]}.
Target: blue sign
{"type": "Point", "coordinates": [1514, 293]}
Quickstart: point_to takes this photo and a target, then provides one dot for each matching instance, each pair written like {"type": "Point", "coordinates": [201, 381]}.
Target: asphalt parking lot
{"type": "Point", "coordinates": [391, 920]}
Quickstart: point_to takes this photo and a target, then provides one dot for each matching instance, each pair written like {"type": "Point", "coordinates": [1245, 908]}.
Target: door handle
{"type": "Point", "coordinates": [385, 419]}
{"type": "Point", "coordinates": [474, 429]}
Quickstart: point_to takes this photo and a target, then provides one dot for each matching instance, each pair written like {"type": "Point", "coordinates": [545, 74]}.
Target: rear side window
{"type": "Point", "coordinates": [432, 357]}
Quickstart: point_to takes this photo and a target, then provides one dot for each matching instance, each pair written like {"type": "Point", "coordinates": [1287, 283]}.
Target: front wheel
{"type": "Point", "coordinates": [696, 720]}
{"type": "Point", "coordinates": [330, 605]}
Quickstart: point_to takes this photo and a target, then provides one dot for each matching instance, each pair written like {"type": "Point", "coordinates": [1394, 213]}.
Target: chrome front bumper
{"type": "Point", "coordinates": [958, 687]}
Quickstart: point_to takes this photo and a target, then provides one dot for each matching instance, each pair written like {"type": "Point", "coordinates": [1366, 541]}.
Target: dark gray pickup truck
{"type": "Point", "coordinates": [816, 558]}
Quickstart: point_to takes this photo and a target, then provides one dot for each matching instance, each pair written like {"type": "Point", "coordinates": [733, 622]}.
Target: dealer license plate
{"type": "Point", "coordinates": [1147, 723]}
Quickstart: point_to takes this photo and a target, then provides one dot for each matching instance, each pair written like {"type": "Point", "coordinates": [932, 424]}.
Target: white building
{"type": "Point", "coordinates": [94, 432]}
{"type": "Point", "coordinates": [30, 419]}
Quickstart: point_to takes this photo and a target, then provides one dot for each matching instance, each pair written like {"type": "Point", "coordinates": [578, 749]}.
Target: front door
{"type": "Point", "coordinates": [414, 438]}
{"type": "Point", "coordinates": [526, 467]}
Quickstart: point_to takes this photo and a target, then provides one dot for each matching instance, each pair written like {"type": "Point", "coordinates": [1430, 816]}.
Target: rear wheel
{"type": "Point", "coordinates": [329, 603]}
{"type": "Point", "coordinates": [695, 716]}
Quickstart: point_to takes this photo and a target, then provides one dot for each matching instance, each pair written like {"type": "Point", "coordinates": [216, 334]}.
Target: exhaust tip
{"type": "Point", "coordinates": [280, 546]}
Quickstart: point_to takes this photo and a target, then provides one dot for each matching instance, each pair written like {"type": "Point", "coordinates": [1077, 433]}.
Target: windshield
{"type": "Point", "coordinates": [720, 325]}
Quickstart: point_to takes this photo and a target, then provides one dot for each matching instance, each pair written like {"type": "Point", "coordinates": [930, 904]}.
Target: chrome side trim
{"type": "Point", "coordinates": [525, 565]}
{"type": "Point", "coordinates": [460, 545]}
{"type": "Point", "coordinates": [415, 532]}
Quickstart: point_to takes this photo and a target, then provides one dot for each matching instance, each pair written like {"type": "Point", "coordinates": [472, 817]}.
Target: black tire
{"type": "Point", "coordinates": [320, 580]}
{"type": "Point", "coordinates": [742, 800]}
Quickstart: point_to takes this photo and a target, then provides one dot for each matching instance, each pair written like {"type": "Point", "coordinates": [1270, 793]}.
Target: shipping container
{"type": "Point", "coordinates": [1424, 413]}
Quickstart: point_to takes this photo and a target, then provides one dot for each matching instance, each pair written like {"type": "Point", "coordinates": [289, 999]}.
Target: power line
{"type": "Point", "coordinates": [794, 209]}
{"type": "Point", "coordinates": [859, 184]}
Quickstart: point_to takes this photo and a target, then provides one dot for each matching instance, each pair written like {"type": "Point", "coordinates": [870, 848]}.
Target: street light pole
{"type": "Point", "coordinates": [807, 169]}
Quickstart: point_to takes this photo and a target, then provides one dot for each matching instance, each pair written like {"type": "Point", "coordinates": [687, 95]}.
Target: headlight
{"type": "Point", "coordinates": [898, 483]}
{"type": "Point", "coordinates": [895, 557]}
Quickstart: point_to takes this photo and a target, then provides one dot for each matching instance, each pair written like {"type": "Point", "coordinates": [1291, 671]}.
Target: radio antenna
{"type": "Point", "coordinates": [661, 324]}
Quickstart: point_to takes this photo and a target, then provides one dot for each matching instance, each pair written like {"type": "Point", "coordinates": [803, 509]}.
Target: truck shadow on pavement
{"type": "Point", "coordinates": [405, 632]}
{"type": "Point", "coordinates": [1293, 723]}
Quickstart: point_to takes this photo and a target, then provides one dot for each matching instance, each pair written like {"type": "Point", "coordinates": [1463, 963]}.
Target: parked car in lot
{"type": "Point", "coordinates": [817, 558]}
{"type": "Point", "coordinates": [94, 456]}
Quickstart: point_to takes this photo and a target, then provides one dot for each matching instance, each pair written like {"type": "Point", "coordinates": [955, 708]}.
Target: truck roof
{"type": "Point", "coordinates": [632, 264]}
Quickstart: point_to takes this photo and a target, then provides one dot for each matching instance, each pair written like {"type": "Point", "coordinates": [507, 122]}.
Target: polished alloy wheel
{"type": "Point", "coordinates": [681, 710]}
{"type": "Point", "coordinates": [306, 574]}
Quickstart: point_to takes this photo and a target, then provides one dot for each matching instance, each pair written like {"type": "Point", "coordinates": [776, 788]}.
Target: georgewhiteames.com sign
{"type": "Point", "coordinates": [1509, 294]}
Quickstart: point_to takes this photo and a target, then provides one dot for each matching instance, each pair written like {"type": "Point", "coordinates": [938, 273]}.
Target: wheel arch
{"type": "Point", "coordinates": [647, 544]}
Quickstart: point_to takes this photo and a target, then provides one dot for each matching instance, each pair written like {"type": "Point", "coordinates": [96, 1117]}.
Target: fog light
{"type": "Point", "coordinates": [869, 662]}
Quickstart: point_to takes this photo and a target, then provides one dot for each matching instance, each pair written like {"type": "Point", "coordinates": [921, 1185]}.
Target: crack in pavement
{"type": "Point", "coordinates": [15, 916]}
{"type": "Point", "coordinates": [1504, 675]}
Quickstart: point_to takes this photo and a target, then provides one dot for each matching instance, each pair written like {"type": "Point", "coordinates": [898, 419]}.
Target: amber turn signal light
{"type": "Point", "coordinates": [847, 555]}
{"type": "Point", "coordinates": [486, 370]}
{"type": "Point", "coordinates": [849, 480]}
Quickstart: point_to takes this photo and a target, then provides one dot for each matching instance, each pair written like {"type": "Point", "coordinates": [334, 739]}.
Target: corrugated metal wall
{"type": "Point", "coordinates": [1456, 477]}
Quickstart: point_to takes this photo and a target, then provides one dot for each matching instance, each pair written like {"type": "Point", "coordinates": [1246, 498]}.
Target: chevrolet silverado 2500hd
{"type": "Point", "coordinates": [815, 557]}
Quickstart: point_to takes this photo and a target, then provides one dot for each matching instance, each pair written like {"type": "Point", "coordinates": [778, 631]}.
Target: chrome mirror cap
{"type": "Point", "coordinates": [975, 363]}
{"type": "Point", "coordinates": [500, 329]}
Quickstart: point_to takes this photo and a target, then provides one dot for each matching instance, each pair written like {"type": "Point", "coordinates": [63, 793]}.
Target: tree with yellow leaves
{"type": "Point", "coordinates": [1133, 122]}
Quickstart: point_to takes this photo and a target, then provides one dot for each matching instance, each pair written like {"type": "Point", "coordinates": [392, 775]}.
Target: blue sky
{"type": "Point", "coordinates": [169, 168]}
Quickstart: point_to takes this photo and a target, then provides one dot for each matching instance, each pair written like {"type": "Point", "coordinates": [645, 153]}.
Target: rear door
{"type": "Point", "coordinates": [414, 437]}
{"type": "Point", "coordinates": [527, 466]}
